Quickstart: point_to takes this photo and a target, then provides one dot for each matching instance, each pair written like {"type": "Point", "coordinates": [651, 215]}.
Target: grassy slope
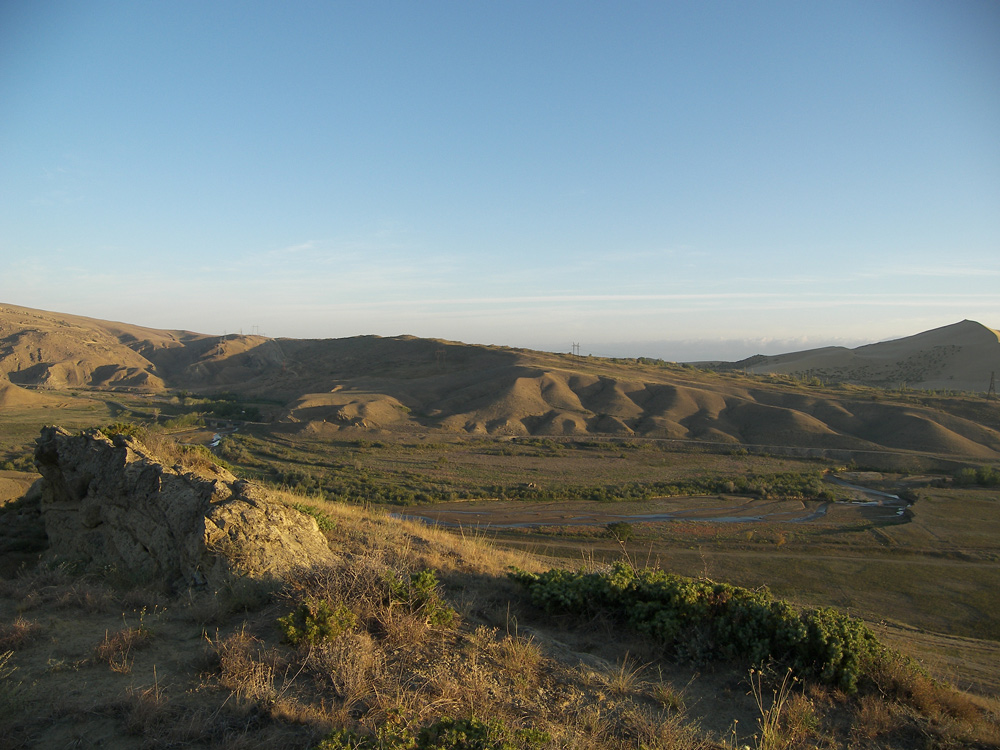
{"type": "Point", "coordinates": [115, 662]}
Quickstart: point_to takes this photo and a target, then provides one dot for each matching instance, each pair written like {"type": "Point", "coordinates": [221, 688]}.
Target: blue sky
{"type": "Point", "coordinates": [677, 179]}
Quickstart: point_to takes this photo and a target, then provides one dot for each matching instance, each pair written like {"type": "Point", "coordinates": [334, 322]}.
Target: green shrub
{"type": "Point", "coordinates": [714, 620]}
{"type": "Point", "coordinates": [185, 420]}
{"type": "Point", "coordinates": [314, 622]}
{"type": "Point", "coordinates": [984, 476]}
{"type": "Point", "coordinates": [621, 531]}
{"type": "Point", "coordinates": [444, 734]}
{"type": "Point", "coordinates": [124, 428]}
{"type": "Point", "coordinates": [324, 521]}
{"type": "Point", "coordinates": [199, 455]}
{"type": "Point", "coordinates": [418, 593]}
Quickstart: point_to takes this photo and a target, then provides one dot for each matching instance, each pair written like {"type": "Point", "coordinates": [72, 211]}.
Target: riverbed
{"type": "Point", "coordinates": [864, 503]}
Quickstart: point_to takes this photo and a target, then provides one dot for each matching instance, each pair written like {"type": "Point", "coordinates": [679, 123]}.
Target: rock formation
{"type": "Point", "coordinates": [109, 502]}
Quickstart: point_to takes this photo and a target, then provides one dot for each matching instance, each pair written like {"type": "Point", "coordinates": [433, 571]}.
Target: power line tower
{"type": "Point", "coordinates": [991, 394]}
{"type": "Point", "coordinates": [576, 349]}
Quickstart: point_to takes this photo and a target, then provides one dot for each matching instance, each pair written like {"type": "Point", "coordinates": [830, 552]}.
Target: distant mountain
{"type": "Point", "coordinates": [404, 384]}
{"type": "Point", "coordinates": [960, 357]}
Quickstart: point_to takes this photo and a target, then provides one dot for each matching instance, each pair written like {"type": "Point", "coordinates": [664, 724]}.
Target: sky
{"type": "Point", "coordinates": [686, 180]}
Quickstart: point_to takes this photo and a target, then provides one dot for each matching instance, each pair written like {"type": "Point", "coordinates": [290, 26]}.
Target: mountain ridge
{"type": "Point", "coordinates": [961, 356]}
{"type": "Point", "coordinates": [411, 385]}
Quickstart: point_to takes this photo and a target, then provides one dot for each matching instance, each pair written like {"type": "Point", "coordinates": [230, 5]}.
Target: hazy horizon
{"type": "Point", "coordinates": [520, 174]}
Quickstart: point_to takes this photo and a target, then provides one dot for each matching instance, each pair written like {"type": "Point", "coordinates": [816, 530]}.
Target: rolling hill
{"type": "Point", "coordinates": [962, 357]}
{"type": "Point", "coordinates": [409, 385]}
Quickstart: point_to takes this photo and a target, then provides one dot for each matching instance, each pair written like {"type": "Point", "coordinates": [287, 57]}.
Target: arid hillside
{"type": "Point", "coordinates": [406, 384]}
{"type": "Point", "coordinates": [960, 357]}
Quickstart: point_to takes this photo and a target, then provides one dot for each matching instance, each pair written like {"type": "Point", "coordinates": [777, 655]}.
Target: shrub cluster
{"type": "Point", "coordinates": [317, 620]}
{"type": "Point", "coordinates": [25, 462]}
{"type": "Point", "coordinates": [444, 734]}
{"type": "Point", "coordinates": [714, 620]}
{"type": "Point", "coordinates": [323, 521]}
{"type": "Point", "coordinates": [782, 485]}
{"type": "Point", "coordinates": [984, 476]}
{"type": "Point", "coordinates": [128, 429]}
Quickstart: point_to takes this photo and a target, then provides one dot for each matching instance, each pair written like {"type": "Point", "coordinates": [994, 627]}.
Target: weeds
{"type": "Point", "coordinates": [116, 648]}
{"type": "Point", "coordinates": [18, 633]}
{"type": "Point", "coordinates": [786, 719]}
{"type": "Point", "coordinates": [12, 693]}
{"type": "Point", "coordinates": [625, 678]}
{"type": "Point", "coordinates": [242, 670]}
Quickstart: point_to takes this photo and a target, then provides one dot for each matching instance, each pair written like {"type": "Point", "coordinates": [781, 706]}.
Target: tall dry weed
{"type": "Point", "coordinates": [17, 633]}
{"type": "Point", "coordinates": [244, 668]}
{"type": "Point", "coordinates": [353, 665]}
{"type": "Point", "coordinates": [117, 648]}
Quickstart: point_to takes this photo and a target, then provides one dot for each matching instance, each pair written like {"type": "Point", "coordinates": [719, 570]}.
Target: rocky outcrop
{"type": "Point", "coordinates": [109, 502]}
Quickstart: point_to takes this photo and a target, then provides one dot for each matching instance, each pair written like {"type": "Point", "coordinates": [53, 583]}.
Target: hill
{"type": "Point", "coordinates": [408, 385]}
{"type": "Point", "coordinates": [394, 635]}
{"type": "Point", "coordinates": [962, 356]}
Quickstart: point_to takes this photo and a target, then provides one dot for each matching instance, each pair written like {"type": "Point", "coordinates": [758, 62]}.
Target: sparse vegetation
{"type": "Point", "coordinates": [116, 650]}
{"type": "Point", "coordinates": [443, 734]}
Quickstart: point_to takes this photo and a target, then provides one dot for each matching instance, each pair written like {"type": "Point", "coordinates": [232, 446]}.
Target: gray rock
{"type": "Point", "coordinates": [112, 503]}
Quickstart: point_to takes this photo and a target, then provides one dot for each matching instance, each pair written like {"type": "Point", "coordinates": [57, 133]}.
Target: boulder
{"type": "Point", "coordinates": [111, 503]}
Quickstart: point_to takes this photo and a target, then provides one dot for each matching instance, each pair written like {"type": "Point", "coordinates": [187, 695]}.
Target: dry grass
{"type": "Point", "coordinates": [116, 648]}
{"type": "Point", "coordinates": [14, 700]}
{"type": "Point", "coordinates": [57, 586]}
{"type": "Point", "coordinates": [18, 633]}
{"type": "Point", "coordinates": [666, 695]}
{"type": "Point", "coordinates": [873, 718]}
{"type": "Point", "coordinates": [626, 678]}
{"type": "Point", "coordinates": [245, 668]}
{"type": "Point", "coordinates": [404, 544]}
{"type": "Point", "coordinates": [390, 666]}
{"type": "Point", "coordinates": [394, 667]}
{"type": "Point", "coordinates": [147, 710]}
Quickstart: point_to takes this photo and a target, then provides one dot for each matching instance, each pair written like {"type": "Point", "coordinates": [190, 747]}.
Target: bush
{"type": "Point", "coordinates": [621, 531]}
{"type": "Point", "coordinates": [984, 476]}
{"type": "Point", "coordinates": [124, 428]}
{"type": "Point", "coordinates": [418, 593]}
{"type": "Point", "coordinates": [324, 521]}
{"type": "Point", "coordinates": [314, 622]}
{"type": "Point", "coordinates": [444, 734]}
{"type": "Point", "coordinates": [715, 620]}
